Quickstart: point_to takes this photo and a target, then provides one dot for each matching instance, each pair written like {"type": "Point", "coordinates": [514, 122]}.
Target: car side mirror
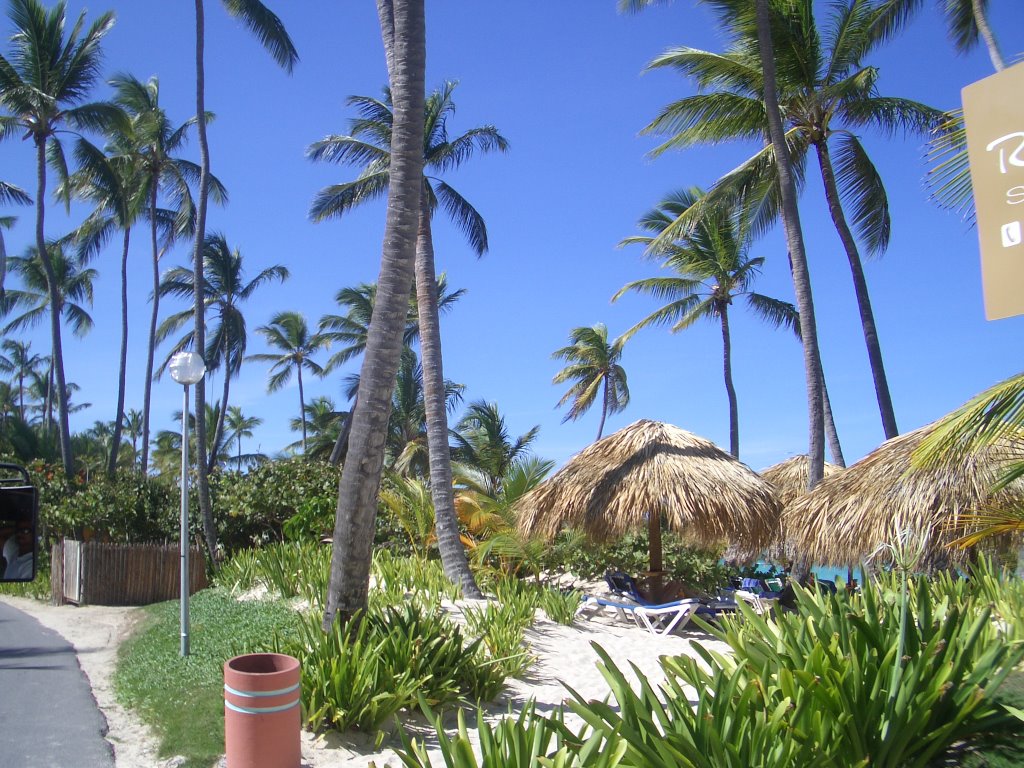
{"type": "Point", "coordinates": [19, 523]}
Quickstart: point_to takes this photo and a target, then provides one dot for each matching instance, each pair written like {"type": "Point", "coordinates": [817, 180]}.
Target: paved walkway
{"type": "Point", "coordinates": [48, 717]}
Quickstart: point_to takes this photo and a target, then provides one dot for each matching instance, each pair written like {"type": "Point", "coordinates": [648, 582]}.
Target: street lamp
{"type": "Point", "coordinates": [186, 368]}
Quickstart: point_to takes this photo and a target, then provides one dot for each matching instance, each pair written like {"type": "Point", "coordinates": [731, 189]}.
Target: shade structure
{"type": "Point", "coordinates": [649, 471]}
{"type": "Point", "coordinates": [851, 513]}
{"type": "Point", "coordinates": [789, 478]}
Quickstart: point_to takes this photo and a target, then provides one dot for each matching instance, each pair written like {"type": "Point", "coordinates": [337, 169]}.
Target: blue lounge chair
{"type": "Point", "coordinates": [657, 619]}
{"type": "Point", "coordinates": [624, 585]}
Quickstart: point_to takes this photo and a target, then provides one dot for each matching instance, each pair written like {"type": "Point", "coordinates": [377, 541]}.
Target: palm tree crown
{"type": "Point", "coordinates": [593, 367]}
{"type": "Point", "coordinates": [288, 333]}
{"type": "Point", "coordinates": [711, 267]}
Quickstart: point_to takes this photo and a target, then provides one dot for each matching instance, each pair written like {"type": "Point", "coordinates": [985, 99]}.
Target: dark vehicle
{"type": "Point", "coordinates": [19, 517]}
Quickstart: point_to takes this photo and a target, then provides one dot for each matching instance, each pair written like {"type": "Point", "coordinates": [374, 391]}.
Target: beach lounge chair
{"type": "Point", "coordinates": [657, 619]}
{"type": "Point", "coordinates": [624, 585]}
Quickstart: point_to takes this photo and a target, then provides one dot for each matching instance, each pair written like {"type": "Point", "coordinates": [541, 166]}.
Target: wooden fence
{"type": "Point", "coordinates": [121, 574]}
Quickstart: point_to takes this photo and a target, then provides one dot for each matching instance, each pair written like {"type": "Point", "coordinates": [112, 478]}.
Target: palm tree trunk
{"type": "Point", "coordinates": [860, 288]}
{"type": "Point", "coordinates": [453, 555]}
{"type": "Point", "coordinates": [730, 389]}
{"type": "Point", "coordinates": [403, 31]}
{"type": "Point", "coordinates": [798, 256]}
{"type": "Point", "coordinates": [302, 406]}
{"type": "Point", "coordinates": [218, 432]}
{"type": "Point", "coordinates": [987, 35]}
{"type": "Point", "coordinates": [604, 411]}
{"type": "Point", "coordinates": [199, 338]}
{"type": "Point", "coordinates": [115, 439]}
{"type": "Point", "coordinates": [147, 392]}
{"type": "Point", "coordinates": [830, 427]}
{"type": "Point", "coordinates": [340, 449]}
{"type": "Point", "coordinates": [55, 311]}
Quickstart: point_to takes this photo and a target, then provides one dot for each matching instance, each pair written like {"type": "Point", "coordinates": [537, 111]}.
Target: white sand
{"type": "Point", "coordinates": [563, 654]}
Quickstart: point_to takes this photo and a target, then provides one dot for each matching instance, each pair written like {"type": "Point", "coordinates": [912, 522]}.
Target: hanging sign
{"type": "Point", "coordinates": [994, 118]}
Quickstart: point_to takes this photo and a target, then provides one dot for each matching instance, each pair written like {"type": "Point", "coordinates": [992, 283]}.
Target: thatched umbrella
{"type": "Point", "coordinates": [850, 514]}
{"type": "Point", "coordinates": [789, 478]}
{"type": "Point", "coordinates": [646, 471]}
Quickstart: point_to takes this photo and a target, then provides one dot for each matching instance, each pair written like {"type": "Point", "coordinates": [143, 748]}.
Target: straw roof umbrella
{"type": "Point", "coordinates": [790, 477]}
{"type": "Point", "coordinates": [849, 514]}
{"type": "Point", "coordinates": [646, 471]}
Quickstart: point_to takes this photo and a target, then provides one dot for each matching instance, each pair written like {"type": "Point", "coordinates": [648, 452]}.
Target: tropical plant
{"type": "Point", "coordinates": [43, 84]}
{"type": "Point", "coordinates": [274, 37]}
{"type": "Point", "coordinates": [18, 359]}
{"type": "Point", "coordinates": [132, 426]}
{"type": "Point", "coordinates": [484, 447]}
{"type": "Point", "coordinates": [224, 290]}
{"type": "Point", "coordinates": [407, 427]}
{"type": "Point", "coordinates": [351, 328]}
{"type": "Point", "coordinates": [593, 368]}
{"type": "Point", "coordinates": [149, 139]}
{"type": "Point", "coordinates": [403, 30]}
{"type": "Point", "coordinates": [111, 183]}
{"type": "Point", "coordinates": [370, 146]}
{"type": "Point", "coordinates": [712, 267]}
{"type": "Point", "coordinates": [324, 424]}
{"type": "Point", "coordinates": [490, 520]}
{"type": "Point", "coordinates": [238, 426]}
{"type": "Point", "coordinates": [288, 333]}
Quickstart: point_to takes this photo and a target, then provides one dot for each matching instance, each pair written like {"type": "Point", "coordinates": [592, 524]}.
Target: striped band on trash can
{"type": "Point", "coordinates": [257, 695]}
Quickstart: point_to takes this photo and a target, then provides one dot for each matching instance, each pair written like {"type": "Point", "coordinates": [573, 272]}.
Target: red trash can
{"type": "Point", "coordinates": [261, 711]}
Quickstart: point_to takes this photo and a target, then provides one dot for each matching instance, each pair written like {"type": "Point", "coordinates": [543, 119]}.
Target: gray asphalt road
{"type": "Point", "coordinates": [48, 717]}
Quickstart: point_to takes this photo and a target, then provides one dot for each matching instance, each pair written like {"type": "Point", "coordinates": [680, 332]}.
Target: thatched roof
{"type": "Point", "coordinates": [852, 512]}
{"type": "Point", "coordinates": [646, 468]}
{"type": "Point", "coordinates": [789, 477]}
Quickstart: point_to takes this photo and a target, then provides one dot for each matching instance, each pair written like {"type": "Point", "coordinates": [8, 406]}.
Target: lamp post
{"type": "Point", "coordinates": [186, 368]}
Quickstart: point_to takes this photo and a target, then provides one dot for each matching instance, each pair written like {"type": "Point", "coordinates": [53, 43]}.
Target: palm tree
{"type": "Point", "coordinates": [274, 37]}
{"type": "Point", "coordinates": [167, 444]}
{"type": "Point", "coordinates": [112, 184]}
{"type": "Point", "coordinates": [407, 442]}
{"type": "Point", "coordinates": [224, 289]}
{"type": "Point", "coordinates": [132, 427]}
{"type": "Point", "coordinates": [238, 426]}
{"type": "Point", "coordinates": [73, 287]}
{"type": "Point", "coordinates": [483, 444]}
{"type": "Point", "coordinates": [403, 30]}
{"type": "Point", "coordinates": [151, 139]}
{"type": "Point", "coordinates": [826, 93]}
{"type": "Point", "coordinates": [967, 22]}
{"type": "Point", "coordinates": [288, 333]}
{"type": "Point", "coordinates": [593, 367]}
{"type": "Point", "coordinates": [323, 423]}
{"type": "Point", "coordinates": [351, 329]}
{"type": "Point", "coordinates": [43, 84]}
{"type": "Point", "coordinates": [369, 146]}
{"type": "Point", "coordinates": [711, 267]}
{"type": "Point", "coordinates": [18, 359]}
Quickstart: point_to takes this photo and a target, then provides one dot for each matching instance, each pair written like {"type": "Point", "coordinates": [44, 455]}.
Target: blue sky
{"type": "Point", "coordinates": [564, 82]}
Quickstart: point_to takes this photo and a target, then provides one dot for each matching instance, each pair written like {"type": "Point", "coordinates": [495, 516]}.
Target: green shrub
{"type": "Point", "coordinates": [837, 661]}
{"type": "Point", "coordinates": [254, 507]}
{"type": "Point", "coordinates": [560, 606]}
{"type": "Point", "coordinates": [397, 577]}
{"type": "Point", "coordinates": [390, 659]}
{"type": "Point", "coordinates": [289, 569]}
{"type": "Point", "coordinates": [501, 627]}
{"type": "Point", "coordinates": [693, 567]}
{"type": "Point", "coordinates": [528, 740]}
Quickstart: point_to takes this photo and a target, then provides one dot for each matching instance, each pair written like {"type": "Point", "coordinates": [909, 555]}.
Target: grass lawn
{"type": "Point", "coordinates": [183, 698]}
